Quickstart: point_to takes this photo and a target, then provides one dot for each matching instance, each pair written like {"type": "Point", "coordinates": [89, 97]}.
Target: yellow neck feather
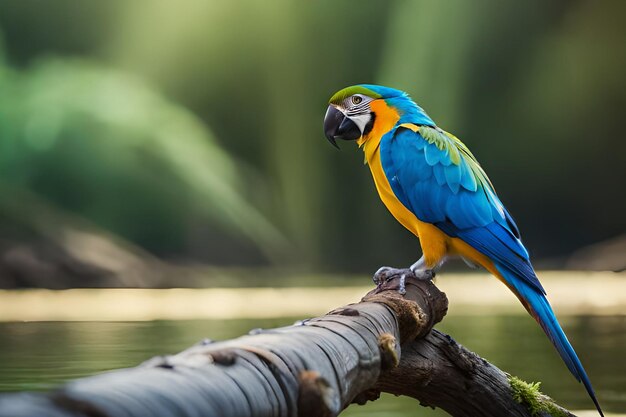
{"type": "Point", "coordinates": [386, 118]}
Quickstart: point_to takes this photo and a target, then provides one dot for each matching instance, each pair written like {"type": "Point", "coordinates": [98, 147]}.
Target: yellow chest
{"type": "Point", "coordinates": [386, 118]}
{"type": "Point", "coordinates": [397, 209]}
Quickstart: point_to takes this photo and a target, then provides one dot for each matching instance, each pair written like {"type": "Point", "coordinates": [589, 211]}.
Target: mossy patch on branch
{"type": "Point", "coordinates": [529, 395]}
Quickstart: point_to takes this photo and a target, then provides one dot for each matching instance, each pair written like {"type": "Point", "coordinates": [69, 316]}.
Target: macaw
{"type": "Point", "coordinates": [434, 186]}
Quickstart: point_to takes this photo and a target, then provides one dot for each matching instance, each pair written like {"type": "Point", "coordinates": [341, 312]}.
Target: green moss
{"type": "Point", "coordinates": [529, 395]}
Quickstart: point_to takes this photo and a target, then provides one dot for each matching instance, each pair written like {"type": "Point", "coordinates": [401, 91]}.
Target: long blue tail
{"type": "Point", "coordinates": [537, 305]}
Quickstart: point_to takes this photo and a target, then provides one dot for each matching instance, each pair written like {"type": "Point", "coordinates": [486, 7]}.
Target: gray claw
{"type": "Point", "coordinates": [402, 286]}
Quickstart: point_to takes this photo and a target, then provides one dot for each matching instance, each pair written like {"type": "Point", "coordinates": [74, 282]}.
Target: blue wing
{"type": "Point", "coordinates": [437, 178]}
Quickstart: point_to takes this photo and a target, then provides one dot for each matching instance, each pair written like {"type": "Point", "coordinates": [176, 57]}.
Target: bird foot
{"type": "Point", "coordinates": [386, 274]}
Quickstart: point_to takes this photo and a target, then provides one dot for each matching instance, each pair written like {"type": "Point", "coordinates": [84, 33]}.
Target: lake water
{"type": "Point", "coordinates": [38, 355]}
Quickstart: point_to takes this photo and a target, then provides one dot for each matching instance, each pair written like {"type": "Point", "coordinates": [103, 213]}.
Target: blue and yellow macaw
{"type": "Point", "coordinates": [433, 185]}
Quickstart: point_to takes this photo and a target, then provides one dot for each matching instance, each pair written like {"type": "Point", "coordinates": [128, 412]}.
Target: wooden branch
{"type": "Point", "coordinates": [437, 371]}
{"type": "Point", "coordinates": [315, 368]}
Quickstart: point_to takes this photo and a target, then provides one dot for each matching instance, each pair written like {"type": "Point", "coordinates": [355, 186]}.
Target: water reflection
{"type": "Point", "coordinates": [36, 355]}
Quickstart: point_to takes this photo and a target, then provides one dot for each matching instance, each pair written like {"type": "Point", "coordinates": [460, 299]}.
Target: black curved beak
{"type": "Point", "coordinates": [338, 126]}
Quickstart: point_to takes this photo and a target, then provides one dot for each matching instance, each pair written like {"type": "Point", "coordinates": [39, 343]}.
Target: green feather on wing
{"type": "Point", "coordinates": [456, 150]}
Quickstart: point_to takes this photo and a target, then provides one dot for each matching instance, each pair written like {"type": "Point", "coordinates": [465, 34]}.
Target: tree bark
{"type": "Point", "coordinates": [314, 368]}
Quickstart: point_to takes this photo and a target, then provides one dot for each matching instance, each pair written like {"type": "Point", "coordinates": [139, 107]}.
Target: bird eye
{"type": "Point", "coordinates": [356, 99]}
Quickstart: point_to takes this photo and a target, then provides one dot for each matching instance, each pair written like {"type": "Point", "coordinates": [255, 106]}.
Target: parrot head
{"type": "Point", "coordinates": [353, 111]}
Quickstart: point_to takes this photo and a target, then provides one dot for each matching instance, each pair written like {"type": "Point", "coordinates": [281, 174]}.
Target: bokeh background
{"type": "Point", "coordinates": [193, 131]}
{"type": "Point", "coordinates": [167, 144]}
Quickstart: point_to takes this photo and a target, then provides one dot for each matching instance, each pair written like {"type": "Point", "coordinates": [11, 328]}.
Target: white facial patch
{"type": "Point", "coordinates": [361, 120]}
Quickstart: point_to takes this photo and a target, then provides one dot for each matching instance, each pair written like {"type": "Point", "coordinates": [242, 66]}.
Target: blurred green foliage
{"type": "Point", "coordinates": [194, 128]}
{"type": "Point", "coordinates": [106, 146]}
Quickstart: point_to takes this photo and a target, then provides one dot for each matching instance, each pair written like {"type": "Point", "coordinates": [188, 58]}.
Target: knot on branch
{"type": "Point", "coordinates": [225, 357]}
{"type": "Point", "coordinates": [77, 407]}
{"type": "Point", "coordinates": [388, 351]}
{"type": "Point", "coordinates": [345, 311]}
{"type": "Point", "coordinates": [315, 396]}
